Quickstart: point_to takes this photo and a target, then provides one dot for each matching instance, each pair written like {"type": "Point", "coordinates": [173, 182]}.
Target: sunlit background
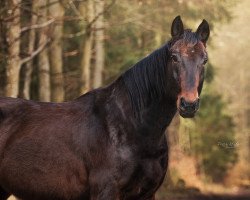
{"type": "Point", "coordinates": [57, 50]}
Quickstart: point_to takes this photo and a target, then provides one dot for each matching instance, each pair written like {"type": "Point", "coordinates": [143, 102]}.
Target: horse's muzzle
{"type": "Point", "coordinates": [188, 109]}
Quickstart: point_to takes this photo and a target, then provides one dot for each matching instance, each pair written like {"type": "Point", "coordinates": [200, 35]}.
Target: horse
{"type": "Point", "coordinates": [108, 144]}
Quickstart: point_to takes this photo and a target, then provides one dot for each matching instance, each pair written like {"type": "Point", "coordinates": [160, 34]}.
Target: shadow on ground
{"type": "Point", "coordinates": [211, 197]}
{"type": "Point", "coordinates": [195, 194]}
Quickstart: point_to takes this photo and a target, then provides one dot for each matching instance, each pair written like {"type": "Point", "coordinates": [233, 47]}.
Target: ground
{"type": "Point", "coordinates": [195, 194]}
{"type": "Point", "coordinates": [211, 197]}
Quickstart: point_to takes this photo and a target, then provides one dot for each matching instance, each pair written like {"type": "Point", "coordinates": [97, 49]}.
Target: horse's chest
{"type": "Point", "coordinates": [146, 177]}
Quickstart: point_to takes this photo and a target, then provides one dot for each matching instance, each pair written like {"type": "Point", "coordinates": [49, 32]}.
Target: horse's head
{"type": "Point", "coordinates": [188, 57]}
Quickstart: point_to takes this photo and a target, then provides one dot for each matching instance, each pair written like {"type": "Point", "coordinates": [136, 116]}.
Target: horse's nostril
{"type": "Point", "coordinates": [183, 103]}
{"type": "Point", "coordinates": [189, 106]}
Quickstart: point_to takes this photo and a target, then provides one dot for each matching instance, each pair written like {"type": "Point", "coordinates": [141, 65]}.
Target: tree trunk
{"type": "Point", "coordinates": [56, 10]}
{"type": "Point", "coordinates": [99, 46]}
{"type": "Point", "coordinates": [43, 59]}
{"type": "Point", "coordinates": [13, 39]}
{"type": "Point", "coordinates": [28, 67]}
{"type": "Point", "coordinates": [87, 47]}
{"type": "Point", "coordinates": [3, 49]}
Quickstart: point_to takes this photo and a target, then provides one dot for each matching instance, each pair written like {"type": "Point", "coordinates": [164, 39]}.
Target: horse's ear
{"type": "Point", "coordinates": [177, 28]}
{"type": "Point", "coordinates": [203, 31]}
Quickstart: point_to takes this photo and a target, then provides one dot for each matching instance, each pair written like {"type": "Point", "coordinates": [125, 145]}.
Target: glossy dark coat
{"type": "Point", "coordinates": [108, 144]}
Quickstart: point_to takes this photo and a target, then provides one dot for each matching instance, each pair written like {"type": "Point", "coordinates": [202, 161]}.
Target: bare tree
{"type": "Point", "coordinates": [43, 59]}
{"type": "Point", "coordinates": [13, 39]}
{"type": "Point", "coordinates": [3, 50]}
{"type": "Point", "coordinates": [87, 46]}
{"type": "Point", "coordinates": [28, 67]}
{"type": "Point", "coordinates": [56, 11]}
{"type": "Point", "coordinates": [99, 44]}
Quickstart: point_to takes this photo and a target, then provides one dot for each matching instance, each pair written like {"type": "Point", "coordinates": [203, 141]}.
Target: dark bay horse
{"type": "Point", "coordinates": [108, 144]}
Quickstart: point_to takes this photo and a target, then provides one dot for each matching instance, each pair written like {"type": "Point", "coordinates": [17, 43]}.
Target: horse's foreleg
{"type": "Point", "coordinates": [106, 193]}
{"type": "Point", "coordinates": [3, 194]}
{"type": "Point", "coordinates": [103, 187]}
{"type": "Point", "coordinates": [151, 198]}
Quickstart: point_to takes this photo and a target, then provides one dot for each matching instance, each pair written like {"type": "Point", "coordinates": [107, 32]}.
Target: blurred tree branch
{"type": "Point", "coordinates": [37, 26]}
{"type": "Point", "coordinates": [36, 52]}
{"type": "Point", "coordinates": [90, 24]}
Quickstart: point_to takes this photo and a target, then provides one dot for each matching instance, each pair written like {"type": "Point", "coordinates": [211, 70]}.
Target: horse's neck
{"type": "Point", "coordinates": [158, 115]}
{"type": "Point", "coordinates": [148, 86]}
{"type": "Point", "coordinates": [153, 118]}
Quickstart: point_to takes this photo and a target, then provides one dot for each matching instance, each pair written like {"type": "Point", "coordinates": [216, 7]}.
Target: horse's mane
{"type": "Point", "coordinates": [146, 81]}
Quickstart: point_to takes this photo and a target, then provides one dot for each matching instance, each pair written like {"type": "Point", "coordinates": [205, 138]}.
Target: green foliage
{"type": "Point", "coordinates": [138, 27]}
{"type": "Point", "coordinates": [133, 29]}
{"type": "Point", "coordinates": [213, 138]}
{"type": "Point", "coordinates": [122, 51]}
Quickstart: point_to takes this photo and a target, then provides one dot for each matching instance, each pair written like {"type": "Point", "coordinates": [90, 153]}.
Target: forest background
{"type": "Point", "coordinates": [56, 50]}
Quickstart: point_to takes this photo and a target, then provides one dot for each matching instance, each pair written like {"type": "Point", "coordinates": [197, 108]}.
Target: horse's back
{"type": "Point", "coordinates": [5, 101]}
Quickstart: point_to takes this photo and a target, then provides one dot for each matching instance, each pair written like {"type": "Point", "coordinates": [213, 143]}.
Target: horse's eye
{"type": "Point", "coordinates": [205, 61]}
{"type": "Point", "coordinates": [174, 58]}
